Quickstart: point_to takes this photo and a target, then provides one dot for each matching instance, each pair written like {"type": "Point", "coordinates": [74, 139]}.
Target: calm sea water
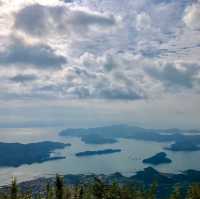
{"type": "Point", "coordinates": [127, 162]}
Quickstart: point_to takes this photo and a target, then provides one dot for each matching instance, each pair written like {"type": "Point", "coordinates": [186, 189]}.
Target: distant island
{"type": "Point", "coordinates": [159, 158]}
{"type": "Point", "coordinates": [183, 146]}
{"type": "Point", "coordinates": [99, 152]}
{"type": "Point", "coordinates": [111, 134]}
{"type": "Point", "coordinates": [16, 154]}
{"type": "Point", "coordinates": [97, 139]}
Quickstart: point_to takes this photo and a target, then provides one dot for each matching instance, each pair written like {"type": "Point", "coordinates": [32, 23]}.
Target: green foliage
{"type": "Point", "coordinates": [176, 193]}
{"type": "Point", "coordinates": [49, 191]}
{"type": "Point", "coordinates": [194, 192]}
{"type": "Point", "coordinates": [151, 193]}
{"type": "Point", "coordinates": [98, 189]}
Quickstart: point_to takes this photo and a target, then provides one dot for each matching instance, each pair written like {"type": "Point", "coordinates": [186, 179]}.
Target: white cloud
{"type": "Point", "coordinates": [192, 16]}
{"type": "Point", "coordinates": [143, 21]}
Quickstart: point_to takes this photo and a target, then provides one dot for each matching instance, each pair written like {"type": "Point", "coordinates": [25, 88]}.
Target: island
{"type": "Point", "coordinates": [111, 134]}
{"type": "Point", "coordinates": [159, 158]}
{"type": "Point", "coordinates": [97, 139]}
{"type": "Point", "coordinates": [16, 154]}
{"type": "Point", "coordinates": [183, 146]}
{"type": "Point", "coordinates": [99, 152]}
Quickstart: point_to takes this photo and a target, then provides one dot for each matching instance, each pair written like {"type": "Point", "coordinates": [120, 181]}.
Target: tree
{"type": "Point", "coordinates": [176, 193]}
{"type": "Point", "coordinates": [59, 187]}
{"type": "Point", "coordinates": [81, 192]}
{"type": "Point", "coordinates": [114, 192]}
{"type": "Point", "coordinates": [14, 189]}
{"type": "Point", "coordinates": [49, 191]}
{"type": "Point", "coordinates": [152, 191]}
{"type": "Point", "coordinates": [67, 193]}
{"type": "Point", "coordinates": [98, 189]}
{"type": "Point", "coordinates": [194, 192]}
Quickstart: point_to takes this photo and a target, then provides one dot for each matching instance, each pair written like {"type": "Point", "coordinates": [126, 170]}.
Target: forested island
{"type": "Point", "coordinates": [16, 154]}
{"type": "Point", "coordinates": [98, 152]}
{"type": "Point", "coordinates": [183, 146]}
{"type": "Point", "coordinates": [97, 139]}
{"type": "Point", "coordinates": [159, 158]}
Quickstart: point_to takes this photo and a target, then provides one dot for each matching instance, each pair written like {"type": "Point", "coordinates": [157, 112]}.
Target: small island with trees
{"type": "Point", "coordinates": [183, 146]}
{"type": "Point", "coordinates": [98, 152]}
{"type": "Point", "coordinates": [159, 158]}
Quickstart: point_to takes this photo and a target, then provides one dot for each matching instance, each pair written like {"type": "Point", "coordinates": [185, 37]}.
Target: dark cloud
{"type": "Point", "coordinates": [110, 63]}
{"type": "Point", "coordinates": [60, 19]}
{"type": "Point", "coordinates": [80, 92]}
{"type": "Point", "coordinates": [83, 92]}
{"type": "Point", "coordinates": [51, 88]}
{"type": "Point", "coordinates": [119, 94]}
{"type": "Point", "coordinates": [23, 78]}
{"type": "Point", "coordinates": [151, 52]}
{"type": "Point", "coordinates": [37, 55]}
{"type": "Point", "coordinates": [173, 76]}
{"type": "Point", "coordinates": [162, 1]}
{"type": "Point", "coordinates": [41, 16]}
{"type": "Point", "coordinates": [84, 73]}
{"type": "Point", "coordinates": [68, 1]}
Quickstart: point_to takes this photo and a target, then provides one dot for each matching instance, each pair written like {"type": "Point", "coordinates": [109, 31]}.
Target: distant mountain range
{"type": "Point", "coordinates": [110, 134]}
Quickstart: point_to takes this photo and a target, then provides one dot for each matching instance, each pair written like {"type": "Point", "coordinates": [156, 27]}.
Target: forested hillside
{"type": "Point", "coordinates": [98, 190]}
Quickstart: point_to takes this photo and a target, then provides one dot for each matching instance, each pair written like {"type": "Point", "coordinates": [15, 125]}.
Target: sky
{"type": "Point", "coordinates": [88, 63]}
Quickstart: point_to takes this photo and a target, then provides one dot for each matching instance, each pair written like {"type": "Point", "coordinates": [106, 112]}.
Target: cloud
{"type": "Point", "coordinates": [22, 78]}
{"type": "Point", "coordinates": [68, 1]}
{"type": "Point", "coordinates": [99, 49]}
{"type": "Point", "coordinates": [192, 16]}
{"type": "Point", "coordinates": [162, 1]}
{"type": "Point", "coordinates": [37, 55]}
{"type": "Point", "coordinates": [143, 21]}
{"type": "Point", "coordinates": [109, 62]}
{"type": "Point", "coordinates": [61, 20]}
{"type": "Point", "coordinates": [79, 92]}
{"type": "Point", "coordinates": [176, 75]}
{"type": "Point", "coordinates": [119, 94]}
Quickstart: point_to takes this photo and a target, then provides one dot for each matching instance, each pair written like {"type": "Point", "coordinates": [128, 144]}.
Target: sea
{"type": "Point", "coordinates": [128, 161]}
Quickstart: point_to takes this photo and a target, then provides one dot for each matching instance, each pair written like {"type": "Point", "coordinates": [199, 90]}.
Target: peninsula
{"type": "Point", "coordinates": [16, 154]}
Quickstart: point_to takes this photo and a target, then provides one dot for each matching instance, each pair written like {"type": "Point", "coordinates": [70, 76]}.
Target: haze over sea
{"type": "Point", "coordinates": [127, 162]}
